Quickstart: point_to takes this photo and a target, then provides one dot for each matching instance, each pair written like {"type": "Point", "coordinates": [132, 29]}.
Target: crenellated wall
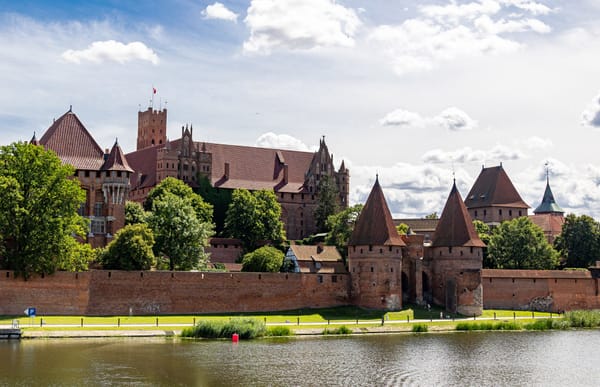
{"type": "Point", "coordinates": [104, 292]}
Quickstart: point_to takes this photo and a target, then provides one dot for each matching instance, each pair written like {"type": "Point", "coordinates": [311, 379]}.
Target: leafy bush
{"type": "Point", "coordinates": [488, 326]}
{"type": "Point", "coordinates": [279, 331]}
{"type": "Point", "coordinates": [343, 330]}
{"type": "Point", "coordinates": [417, 328]}
{"type": "Point", "coordinates": [583, 318]}
{"type": "Point", "coordinates": [547, 323]}
{"type": "Point", "coordinates": [245, 328]}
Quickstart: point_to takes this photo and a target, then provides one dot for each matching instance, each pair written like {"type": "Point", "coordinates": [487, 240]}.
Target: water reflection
{"type": "Point", "coordinates": [491, 358]}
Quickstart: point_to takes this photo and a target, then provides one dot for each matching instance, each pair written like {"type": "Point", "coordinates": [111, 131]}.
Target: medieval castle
{"type": "Point", "coordinates": [384, 269]}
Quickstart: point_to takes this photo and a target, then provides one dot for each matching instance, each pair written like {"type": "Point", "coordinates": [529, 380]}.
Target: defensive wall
{"type": "Point", "coordinates": [543, 290]}
{"type": "Point", "coordinates": [104, 292]}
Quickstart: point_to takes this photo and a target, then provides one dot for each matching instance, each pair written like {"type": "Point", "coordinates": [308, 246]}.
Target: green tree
{"type": "Point", "coordinates": [131, 249]}
{"type": "Point", "coordinates": [579, 241]}
{"type": "Point", "coordinates": [179, 234]}
{"type": "Point", "coordinates": [520, 244]}
{"type": "Point", "coordinates": [220, 199]}
{"type": "Point", "coordinates": [39, 200]}
{"type": "Point", "coordinates": [82, 254]}
{"type": "Point", "coordinates": [433, 215]}
{"type": "Point", "coordinates": [254, 217]}
{"type": "Point", "coordinates": [264, 259]}
{"type": "Point", "coordinates": [484, 233]}
{"type": "Point", "coordinates": [204, 211]}
{"type": "Point", "coordinates": [327, 202]}
{"type": "Point", "coordinates": [341, 226]}
{"type": "Point", "coordinates": [402, 228]}
{"type": "Point", "coordinates": [134, 213]}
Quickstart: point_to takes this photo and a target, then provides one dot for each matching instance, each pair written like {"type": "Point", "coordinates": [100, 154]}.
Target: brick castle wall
{"type": "Point", "coordinates": [544, 290]}
{"type": "Point", "coordinates": [104, 292]}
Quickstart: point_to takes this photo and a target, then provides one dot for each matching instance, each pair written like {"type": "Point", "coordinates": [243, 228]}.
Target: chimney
{"type": "Point", "coordinates": [226, 171]}
{"type": "Point", "coordinates": [285, 173]}
{"type": "Point", "coordinates": [319, 248]}
{"type": "Point", "coordinates": [106, 154]}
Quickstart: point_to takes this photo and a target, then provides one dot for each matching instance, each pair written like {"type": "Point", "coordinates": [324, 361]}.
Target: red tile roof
{"type": "Point", "coordinates": [455, 227]}
{"type": "Point", "coordinates": [549, 223]}
{"type": "Point", "coordinates": [374, 225]}
{"type": "Point", "coordinates": [116, 160]}
{"type": "Point", "coordinates": [73, 143]}
{"type": "Point", "coordinates": [311, 252]}
{"type": "Point", "coordinates": [143, 163]}
{"type": "Point", "coordinates": [494, 188]}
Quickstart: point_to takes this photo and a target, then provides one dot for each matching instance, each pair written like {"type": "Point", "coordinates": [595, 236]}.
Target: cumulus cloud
{"type": "Point", "coordinates": [111, 50]}
{"type": "Point", "coordinates": [467, 154]}
{"type": "Point", "coordinates": [281, 141]}
{"type": "Point", "coordinates": [220, 12]}
{"type": "Point", "coordinates": [535, 142]}
{"type": "Point", "coordinates": [532, 7]}
{"type": "Point", "coordinates": [591, 115]}
{"type": "Point", "coordinates": [299, 24]}
{"type": "Point", "coordinates": [451, 118]}
{"type": "Point", "coordinates": [447, 32]}
{"type": "Point", "coordinates": [401, 117]}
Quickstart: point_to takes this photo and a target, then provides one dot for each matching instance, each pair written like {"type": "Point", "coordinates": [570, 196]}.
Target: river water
{"type": "Point", "coordinates": [559, 358]}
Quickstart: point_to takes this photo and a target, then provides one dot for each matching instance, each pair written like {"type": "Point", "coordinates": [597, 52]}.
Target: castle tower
{"type": "Point", "coordinates": [375, 256]}
{"type": "Point", "coordinates": [494, 199]}
{"type": "Point", "coordinates": [115, 187]}
{"type": "Point", "coordinates": [548, 215]}
{"type": "Point", "coordinates": [548, 204]}
{"type": "Point", "coordinates": [152, 128]}
{"type": "Point", "coordinates": [455, 259]}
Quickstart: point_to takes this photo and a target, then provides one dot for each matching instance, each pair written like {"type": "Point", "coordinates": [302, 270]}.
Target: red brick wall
{"type": "Point", "coordinates": [550, 290]}
{"type": "Point", "coordinates": [115, 292]}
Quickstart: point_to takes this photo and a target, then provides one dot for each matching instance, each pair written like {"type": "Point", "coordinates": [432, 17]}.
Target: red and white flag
{"type": "Point", "coordinates": [154, 90]}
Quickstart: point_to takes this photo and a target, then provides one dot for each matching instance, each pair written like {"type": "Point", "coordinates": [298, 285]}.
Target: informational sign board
{"type": "Point", "coordinates": [30, 312]}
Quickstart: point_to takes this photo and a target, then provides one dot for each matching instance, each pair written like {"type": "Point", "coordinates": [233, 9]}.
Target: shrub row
{"type": "Point", "coordinates": [343, 330]}
{"type": "Point", "coordinates": [246, 329]}
{"type": "Point", "coordinates": [488, 326]}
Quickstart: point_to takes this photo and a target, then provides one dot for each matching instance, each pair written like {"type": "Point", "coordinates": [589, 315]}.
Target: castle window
{"type": "Point", "coordinates": [98, 226]}
{"type": "Point", "coordinates": [302, 196]}
{"type": "Point", "coordinates": [390, 249]}
{"type": "Point", "coordinates": [450, 250]}
{"type": "Point", "coordinates": [292, 196]}
{"type": "Point", "coordinates": [334, 278]}
{"type": "Point", "coordinates": [320, 279]}
{"type": "Point", "coordinates": [118, 173]}
{"type": "Point", "coordinates": [461, 253]}
{"type": "Point", "coordinates": [519, 212]}
{"type": "Point", "coordinates": [391, 269]}
{"type": "Point", "coordinates": [471, 249]}
{"type": "Point", "coordinates": [98, 209]}
{"type": "Point", "coordinates": [372, 269]}
{"type": "Point", "coordinates": [509, 212]}
{"type": "Point", "coordinates": [370, 247]}
{"type": "Point", "coordinates": [475, 213]}
{"type": "Point", "coordinates": [484, 212]}
{"type": "Point", "coordinates": [500, 212]}
{"type": "Point", "coordinates": [380, 251]}
{"type": "Point", "coordinates": [98, 174]}
{"type": "Point", "coordinates": [87, 174]}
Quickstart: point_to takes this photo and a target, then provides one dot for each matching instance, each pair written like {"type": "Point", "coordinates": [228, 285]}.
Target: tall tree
{"type": "Point", "coordinates": [327, 202]}
{"type": "Point", "coordinates": [265, 259]}
{"type": "Point", "coordinates": [204, 211]}
{"type": "Point", "coordinates": [520, 244]}
{"type": "Point", "coordinates": [219, 198]}
{"type": "Point", "coordinates": [484, 232]}
{"type": "Point", "coordinates": [254, 217]}
{"type": "Point", "coordinates": [131, 249]}
{"type": "Point", "coordinates": [341, 226]}
{"type": "Point", "coordinates": [134, 213]}
{"type": "Point", "coordinates": [39, 200]}
{"type": "Point", "coordinates": [433, 215]}
{"type": "Point", "coordinates": [179, 234]}
{"type": "Point", "coordinates": [579, 241]}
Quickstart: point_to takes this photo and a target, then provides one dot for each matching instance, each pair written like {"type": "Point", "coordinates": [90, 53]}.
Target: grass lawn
{"type": "Point", "coordinates": [307, 318]}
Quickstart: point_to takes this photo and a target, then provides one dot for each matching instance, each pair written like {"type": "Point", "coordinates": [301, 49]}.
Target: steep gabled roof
{"type": "Point", "coordinates": [455, 227]}
{"type": "Point", "coordinates": [374, 225]}
{"type": "Point", "coordinates": [116, 160]}
{"type": "Point", "coordinates": [316, 253]}
{"type": "Point", "coordinates": [548, 204]}
{"type": "Point", "coordinates": [494, 188]}
{"type": "Point", "coordinates": [73, 143]}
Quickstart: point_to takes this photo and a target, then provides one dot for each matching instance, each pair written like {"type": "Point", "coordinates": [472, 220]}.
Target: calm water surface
{"type": "Point", "coordinates": [570, 358]}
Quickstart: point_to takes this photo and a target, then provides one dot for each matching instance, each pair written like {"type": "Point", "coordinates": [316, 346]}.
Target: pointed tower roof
{"type": "Point", "coordinates": [116, 160]}
{"type": "Point", "coordinates": [548, 204]}
{"type": "Point", "coordinates": [34, 140]}
{"type": "Point", "coordinates": [73, 143]}
{"type": "Point", "coordinates": [494, 188]}
{"type": "Point", "coordinates": [374, 225]}
{"type": "Point", "coordinates": [455, 227]}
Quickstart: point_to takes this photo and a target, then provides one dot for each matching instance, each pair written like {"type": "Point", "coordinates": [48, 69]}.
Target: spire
{"type": "Point", "coordinates": [548, 204]}
{"type": "Point", "coordinates": [455, 227]}
{"type": "Point", "coordinates": [374, 225]}
{"type": "Point", "coordinates": [116, 160]}
{"type": "Point", "coordinates": [34, 140]}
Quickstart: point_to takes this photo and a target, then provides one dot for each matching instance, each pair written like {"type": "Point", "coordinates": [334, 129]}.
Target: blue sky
{"type": "Point", "coordinates": [417, 91]}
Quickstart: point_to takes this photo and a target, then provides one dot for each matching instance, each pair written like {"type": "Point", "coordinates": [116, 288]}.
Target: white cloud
{"type": "Point", "coordinates": [111, 50]}
{"type": "Point", "coordinates": [591, 115]}
{"type": "Point", "coordinates": [452, 119]}
{"type": "Point", "coordinates": [401, 117]}
{"type": "Point", "coordinates": [297, 24]}
{"type": "Point", "coordinates": [220, 12]}
{"type": "Point", "coordinates": [455, 119]}
{"type": "Point", "coordinates": [442, 33]}
{"type": "Point", "coordinates": [498, 153]}
{"type": "Point", "coordinates": [535, 142]}
{"type": "Point", "coordinates": [281, 141]}
{"type": "Point", "coordinates": [530, 6]}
